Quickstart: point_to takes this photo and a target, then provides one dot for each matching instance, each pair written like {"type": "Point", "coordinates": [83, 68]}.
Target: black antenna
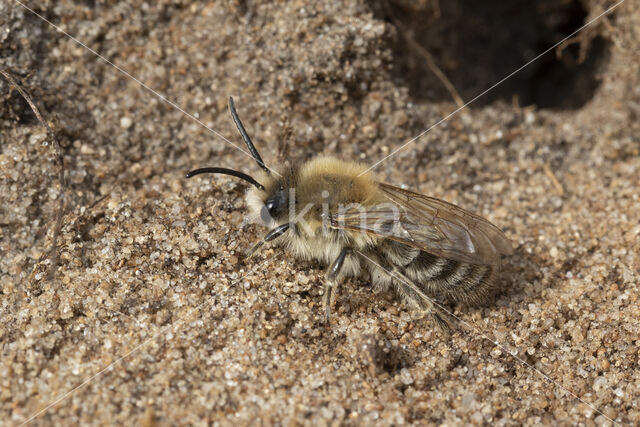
{"type": "Point", "coordinates": [226, 171]}
{"type": "Point", "coordinates": [245, 136]}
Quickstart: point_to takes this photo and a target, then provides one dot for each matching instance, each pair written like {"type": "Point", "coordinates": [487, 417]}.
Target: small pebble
{"type": "Point", "coordinates": [125, 122]}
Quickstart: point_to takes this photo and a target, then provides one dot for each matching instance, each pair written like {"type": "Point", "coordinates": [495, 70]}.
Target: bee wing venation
{"type": "Point", "coordinates": [429, 224]}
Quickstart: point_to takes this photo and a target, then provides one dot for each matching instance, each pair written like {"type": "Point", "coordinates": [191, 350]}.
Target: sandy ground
{"type": "Point", "coordinates": [154, 317]}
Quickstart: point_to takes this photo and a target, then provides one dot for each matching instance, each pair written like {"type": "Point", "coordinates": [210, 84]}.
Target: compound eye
{"type": "Point", "coordinates": [276, 203]}
{"type": "Point", "coordinates": [271, 205]}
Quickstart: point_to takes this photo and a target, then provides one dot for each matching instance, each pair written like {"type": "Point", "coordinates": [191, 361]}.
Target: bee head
{"type": "Point", "coordinates": [269, 197]}
{"type": "Point", "coordinates": [270, 204]}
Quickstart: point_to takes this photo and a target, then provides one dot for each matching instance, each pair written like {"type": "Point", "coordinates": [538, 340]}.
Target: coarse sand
{"type": "Point", "coordinates": [154, 316]}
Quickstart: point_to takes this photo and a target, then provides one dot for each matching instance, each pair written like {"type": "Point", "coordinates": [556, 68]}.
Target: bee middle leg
{"type": "Point", "coordinates": [331, 285]}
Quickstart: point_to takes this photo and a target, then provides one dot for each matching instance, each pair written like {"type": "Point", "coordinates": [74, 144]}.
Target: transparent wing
{"type": "Point", "coordinates": [429, 224]}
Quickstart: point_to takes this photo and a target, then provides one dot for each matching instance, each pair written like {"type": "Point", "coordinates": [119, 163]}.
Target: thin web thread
{"type": "Point", "coordinates": [481, 334]}
{"type": "Point", "coordinates": [457, 110]}
{"type": "Point", "coordinates": [145, 86]}
{"type": "Point", "coordinates": [129, 353]}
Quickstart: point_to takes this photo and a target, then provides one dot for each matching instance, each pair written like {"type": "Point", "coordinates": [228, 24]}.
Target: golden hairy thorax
{"type": "Point", "coordinates": [322, 185]}
{"type": "Point", "coordinates": [334, 183]}
{"type": "Point", "coordinates": [322, 181]}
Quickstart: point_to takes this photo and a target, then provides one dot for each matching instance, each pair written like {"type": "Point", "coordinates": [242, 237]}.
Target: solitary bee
{"type": "Point", "coordinates": [335, 212]}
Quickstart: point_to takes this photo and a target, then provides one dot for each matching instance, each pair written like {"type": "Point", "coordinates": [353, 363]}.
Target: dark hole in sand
{"type": "Point", "coordinates": [16, 108]}
{"type": "Point", "coordinates": [477, 43]}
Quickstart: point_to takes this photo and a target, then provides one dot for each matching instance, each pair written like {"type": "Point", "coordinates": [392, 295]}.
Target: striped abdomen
{"type": "Point", "coordinates": [441, 278]}
{"type": "Point", "coordinates": [451, 280]}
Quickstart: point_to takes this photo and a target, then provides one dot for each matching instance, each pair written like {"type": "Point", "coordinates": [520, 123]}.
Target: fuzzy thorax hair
{"type": "Point", "coordinates": [321, 181]}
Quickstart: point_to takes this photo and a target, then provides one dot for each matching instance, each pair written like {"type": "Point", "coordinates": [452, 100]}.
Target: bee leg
{"type": "Point", "coordinates": [331, 284]}
{"type": "Point", "coordinates": [413, 292]}
{"type": "Point", "coordinates": [271, 235]}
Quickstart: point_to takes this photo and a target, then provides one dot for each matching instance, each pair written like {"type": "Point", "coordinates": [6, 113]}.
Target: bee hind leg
{"type": "Point", "coordinates": [331, 284]}
{"type": "Point", "coordinates": [412, 292]}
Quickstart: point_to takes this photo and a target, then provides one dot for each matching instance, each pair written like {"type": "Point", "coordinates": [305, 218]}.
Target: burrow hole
{"type": "Point", "coordinates": [477, 43]}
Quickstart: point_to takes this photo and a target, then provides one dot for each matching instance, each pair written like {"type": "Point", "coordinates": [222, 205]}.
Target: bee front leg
{"type": "Point", "coordinates": [271, 235]}
{"type": "Point", "coordinates": [331, 285]}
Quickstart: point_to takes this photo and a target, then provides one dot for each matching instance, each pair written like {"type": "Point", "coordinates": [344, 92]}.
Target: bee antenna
{"type": "Point", "coordinates": [245, 136]}
{"type": "Point", "coordinates": [226, 171]}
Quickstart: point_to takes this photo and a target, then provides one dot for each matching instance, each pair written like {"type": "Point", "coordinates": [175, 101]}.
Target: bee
{"type": "Point", "coordinates": [336, 212]}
